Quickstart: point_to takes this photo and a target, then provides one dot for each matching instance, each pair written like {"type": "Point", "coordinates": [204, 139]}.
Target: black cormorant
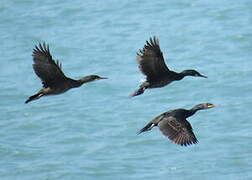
{"type": "Point", "coordinates": [174, 125]}
{"type": "Point", "coordinates": [53, 79]}
{"type": "Point", "coordinates": [151, 63]}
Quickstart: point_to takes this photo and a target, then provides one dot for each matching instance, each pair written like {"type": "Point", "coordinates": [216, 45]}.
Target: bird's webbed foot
{"type": "Point", "coordinates": [138, 92]}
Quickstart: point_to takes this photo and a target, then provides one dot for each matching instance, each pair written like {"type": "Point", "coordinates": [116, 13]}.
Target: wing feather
{"type": "Point", "coordinates": [179, 131]}
{"type": "Point", "coordinates": [151, 61]}
{"type": "Point", "coordinates": [47, 69]}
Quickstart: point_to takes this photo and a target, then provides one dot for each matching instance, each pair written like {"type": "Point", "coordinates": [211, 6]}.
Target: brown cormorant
{"type": "Point", "coordinates": [174, 125]}
{"type": "Point", "coordinates": [151, 64]}
{"type": "Point", "coordinates": [53, 79]}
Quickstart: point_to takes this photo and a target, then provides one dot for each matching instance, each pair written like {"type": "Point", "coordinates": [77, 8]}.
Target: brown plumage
{"type": "Point", "coordinates": [173, 124]}
{"type": "Point", "coordinates": [50, 72]}
{"type": "Point", "coordinates": [152, 65]}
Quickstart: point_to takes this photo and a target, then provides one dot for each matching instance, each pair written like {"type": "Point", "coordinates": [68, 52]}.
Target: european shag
{"type": "Point", "coordinates": [53, 79]}
{"type": "Point", "coordinates": [174, 125]}
{"type": "Point", "coordinates": [152, 65]}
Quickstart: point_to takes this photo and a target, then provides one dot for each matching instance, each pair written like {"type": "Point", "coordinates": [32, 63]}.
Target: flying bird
{"type": "Point", "coordinates": [50, 72]}
{"type": "Point", "coordinates": [152, 65]}
{"type": "Point", "coordinates": [173, 124]}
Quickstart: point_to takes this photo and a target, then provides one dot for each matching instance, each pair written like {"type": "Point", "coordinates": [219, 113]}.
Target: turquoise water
{"type": "Point", "coordinates": [90, 133]}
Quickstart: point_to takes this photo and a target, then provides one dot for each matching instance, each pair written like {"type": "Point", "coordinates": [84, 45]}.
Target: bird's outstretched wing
{"type": "Point", "coordinates": [47, 69]}
{"type": "Point", "coordinates": [151, 60]}
{"type": "Point", "coordinates": [179, 131]}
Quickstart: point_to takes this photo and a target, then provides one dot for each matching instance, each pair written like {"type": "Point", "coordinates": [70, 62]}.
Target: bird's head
{"type": "Point", "coordinates": [192, 72]}
{"type": "Point", "coordinates": [204, 106]}
{"type": "Point", "coordinates": [91, 78]}
{"type": "Point", "coordinates": [96, 77]}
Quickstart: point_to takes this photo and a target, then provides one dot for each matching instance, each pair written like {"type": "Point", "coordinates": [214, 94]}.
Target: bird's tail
{"type": "Point", "coordinates": [34, 97]}
{"type": "Point", "coordinates": [138, 92]}
{"type": "Point", "coordinates": [148, 127]}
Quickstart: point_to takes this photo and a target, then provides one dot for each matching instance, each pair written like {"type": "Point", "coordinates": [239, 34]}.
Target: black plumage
{"type": "Point", "coordinates": [173, 124]}
{"type": "Point", "coordinates": [50, 72]}
{"type": "Point", "coordinates": [152, 65]}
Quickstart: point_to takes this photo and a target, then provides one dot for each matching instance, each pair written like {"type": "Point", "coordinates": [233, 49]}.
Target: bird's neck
{"type": "Point", "coordinates": [192, 111]}
{"type": "Point", "coordinates": [85, 80]}
{"type": "Point", "coordinates": [77, 83]}
{"type": "Point", "coordinates": [74, 83]}
{"type": "Point", "coordinates": [183, 74]}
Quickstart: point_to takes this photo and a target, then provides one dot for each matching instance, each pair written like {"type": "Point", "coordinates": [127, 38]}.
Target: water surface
{"type": "Point", "coordinates": [90, 133]}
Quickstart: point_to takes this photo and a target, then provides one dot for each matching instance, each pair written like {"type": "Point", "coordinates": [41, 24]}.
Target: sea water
{"type": "Point", "coordinates": [89, 133]}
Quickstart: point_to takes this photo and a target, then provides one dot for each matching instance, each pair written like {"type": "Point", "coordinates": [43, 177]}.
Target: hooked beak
{"type": "Point", "coordinates": [200, 75]}
{"type": "Point", "coordinates": [212, 105]}
{"type": "Point", "coordinates": [103, 78]}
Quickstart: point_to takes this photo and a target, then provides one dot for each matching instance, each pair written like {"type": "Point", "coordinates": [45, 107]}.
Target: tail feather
{"type": "Point", "coordinates": [34, 97]}
{"type": "Point", "coordinates": [138, 92]}
{"type": "Point", "coordinates": [148, 127]}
